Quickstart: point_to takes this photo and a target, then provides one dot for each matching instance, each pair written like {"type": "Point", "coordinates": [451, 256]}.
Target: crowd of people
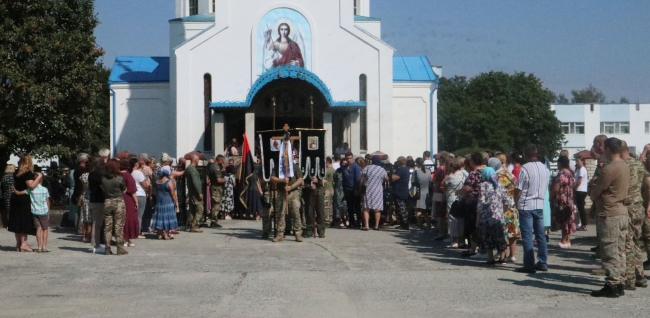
{"type": "Point", "coordinates": [483, 203]}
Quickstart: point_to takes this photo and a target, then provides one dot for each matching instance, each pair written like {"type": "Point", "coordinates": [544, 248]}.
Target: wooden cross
{"type": "Point", "coordinates": [286, 129]}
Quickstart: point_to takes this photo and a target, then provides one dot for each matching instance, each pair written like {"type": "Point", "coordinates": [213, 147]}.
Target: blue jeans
{"type": "Point", "coordinates": [532, 221]}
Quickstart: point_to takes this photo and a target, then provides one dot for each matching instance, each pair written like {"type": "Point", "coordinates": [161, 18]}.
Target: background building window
{"type": "Point", "coordinates": [363, 96]}
{"type": "Point", "coordinates": [618, 127]}
{"type": "Point", "coordinates": [356, 7]}
{"type": "Point", "coordinates": [214, 6]}
{"type": "Point", "coordinates": [207, 112]}
{"type": "Point", "coordinates": [573, 128]}
{"type": "Point", "coordinates": [194, 7]}
{"type": "Point", "coordinates": [647, 127]}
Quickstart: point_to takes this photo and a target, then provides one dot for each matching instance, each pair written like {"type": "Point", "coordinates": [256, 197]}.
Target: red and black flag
{"type": "Point", "coordinates": [250, 196]}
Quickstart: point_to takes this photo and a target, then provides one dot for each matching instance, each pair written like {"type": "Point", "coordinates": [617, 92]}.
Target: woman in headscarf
{"type": "Point", "coordinates": [373, 177]}
{"type": "Point", "coordinates": [492, 203]}
{"type": "Point", "coordinates": [562, 201]}
{"type": "Point", "coordinates": [511, 215]}
{"type": "Point", "coordinates": [164, 218]}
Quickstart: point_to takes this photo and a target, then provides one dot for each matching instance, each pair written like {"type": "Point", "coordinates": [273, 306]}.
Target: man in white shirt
{"type": "Point", "coordinates": [428, 163]}
{"type": "Point", "coordinates": [580, 191]}
{"type": "Point", "coordinates": [531, 187]}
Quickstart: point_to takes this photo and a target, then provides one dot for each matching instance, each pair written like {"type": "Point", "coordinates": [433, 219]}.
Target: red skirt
{"type": "Point", "coordinates": [131, 223]}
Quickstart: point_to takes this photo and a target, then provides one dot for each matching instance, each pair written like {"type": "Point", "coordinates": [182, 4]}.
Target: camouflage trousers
{"type": "Point", "coordinates": [612, 232]}
{"type": "Point", "coordinates": [195, 215]}
{"type": "Point", "coordinates": [634, 263]}
{"type": "Point", "coordinates": [216, 193]}
{"type": "Point", "coordinates": [314, 211]}
{"type": "Point", "coordinates": [645, 235]}
{"type": "Point", "coordinates": [114, 217]}
{"type": "Point", "coordinates": [266, 213]}
{"type": "Point", "coordinates": [293, 205]}
{"type": "Point", "coordinates": [327, 200]}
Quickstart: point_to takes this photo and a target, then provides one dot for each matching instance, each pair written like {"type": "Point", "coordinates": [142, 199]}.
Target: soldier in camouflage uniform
{"type": "Point", "coordinates": [314, 208]}
{"type": "Point", "coordinates": [217, 183]}
{"type": "Point", "coordinates": [195, 195]}
{"type": "Point", "coordinates": [645, 230]}
{"type": "Point", "coordinates": [329, 191]}
{"type": "Point", "coordinates": [288, 198]}
{"type": "Point", "coordinates": [634, 274]}
{"type": "Point", "coordinates": [267, 210]}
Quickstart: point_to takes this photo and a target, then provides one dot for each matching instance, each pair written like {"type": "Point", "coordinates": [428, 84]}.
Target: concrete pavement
{"type": "Point", "coordinates": [230, 272]}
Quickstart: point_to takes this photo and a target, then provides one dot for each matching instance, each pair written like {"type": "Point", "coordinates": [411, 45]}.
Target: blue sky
{"type": "Point", "coordinates": [568, 44]}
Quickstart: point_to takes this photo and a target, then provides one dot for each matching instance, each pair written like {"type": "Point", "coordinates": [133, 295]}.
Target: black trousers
{"type": "Point", "coordinates": [580, 203]}
{"type": "Point", "coordinates": [354, 208]}
{"type": "Point", "coordinates": [314, 209]}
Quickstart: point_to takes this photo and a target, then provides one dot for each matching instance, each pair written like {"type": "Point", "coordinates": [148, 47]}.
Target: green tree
{"type": "Point", "coordinates": [624, 100]}
{"type": "Point", "coordinates": [587, 96]}
{"type": "Point", "coordinates": [497, 111]}
{"type": "Point", "coordinates": [561, 99]}
{"type": "Point", "coordinates": [53, 94]}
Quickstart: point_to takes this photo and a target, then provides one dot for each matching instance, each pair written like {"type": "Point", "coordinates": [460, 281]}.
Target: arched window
{"type": "Point", "coordinates": [207, 112]}
{"type": "Point", "coordinates": [363, 96]}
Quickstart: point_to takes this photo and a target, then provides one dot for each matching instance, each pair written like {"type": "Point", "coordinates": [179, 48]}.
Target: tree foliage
{"type": "Point", "coordinates": [561, 99]}
{"type": "Point", "coordinates": [497, 111]}
{"type": "Point", "coordinates": [587, 96]}
{"type": "Point", "coordinates": [53, 94]}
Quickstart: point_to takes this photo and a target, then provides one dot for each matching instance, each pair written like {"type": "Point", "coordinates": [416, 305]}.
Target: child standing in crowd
{"type": "Point", "coordinates": [40, 198]}
{"type": "Point", "coordinates": [228, 198]}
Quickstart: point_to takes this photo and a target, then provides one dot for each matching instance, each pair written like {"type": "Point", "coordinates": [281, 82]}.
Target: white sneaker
{"type": "Point", "coordinates": [478, 256]}
{"type": "Point", "coordinates": [228, 217]}
{"type": "Point", "coordinates": [510, 259]}
{"type": "Point", "coordinates": [99, 250]}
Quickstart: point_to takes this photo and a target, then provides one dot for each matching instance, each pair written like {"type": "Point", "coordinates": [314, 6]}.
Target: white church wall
{"type": "Point", "coordinates": [180, 31]}
{"type": "Point", "coordinates": [144, 120]}
{"type": "Point", "coordinates": [230, 52]}
{"type": "Point", "coordinates": [374, 27]}
{"type": "Point", "coordinates": [412, 113]}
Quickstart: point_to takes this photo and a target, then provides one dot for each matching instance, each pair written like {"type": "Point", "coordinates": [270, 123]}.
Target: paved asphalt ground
{"type": "Point", "coordinates": [231, 272]}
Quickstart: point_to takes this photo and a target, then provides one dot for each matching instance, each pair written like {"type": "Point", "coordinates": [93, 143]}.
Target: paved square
{"type": "Point", "coordinates": [230, 272]}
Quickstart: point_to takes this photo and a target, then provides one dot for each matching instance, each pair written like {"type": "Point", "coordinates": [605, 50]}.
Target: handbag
{"type": "Point", "coordinates": [414, 190]}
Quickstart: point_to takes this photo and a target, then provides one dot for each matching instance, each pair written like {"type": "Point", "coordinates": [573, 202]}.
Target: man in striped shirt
{"type": "Point", "coordinates": [531, 187]}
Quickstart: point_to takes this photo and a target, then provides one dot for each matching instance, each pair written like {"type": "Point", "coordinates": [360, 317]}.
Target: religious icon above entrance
{"type": "Point", "coordinates": [284, 38]}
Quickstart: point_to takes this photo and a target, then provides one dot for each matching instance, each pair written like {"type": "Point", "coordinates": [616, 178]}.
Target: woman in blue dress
{"type": "Point", "coordinates": [164, 218]}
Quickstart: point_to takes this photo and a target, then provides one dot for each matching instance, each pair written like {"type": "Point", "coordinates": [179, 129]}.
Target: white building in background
{"type": "Point", "coordinates": [241, 66]}
{"type": "Point", "coordinates": [582, 122]}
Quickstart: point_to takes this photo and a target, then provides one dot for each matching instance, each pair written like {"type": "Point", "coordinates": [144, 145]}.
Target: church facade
{"type": "Point", "coordinates": [241, 66]}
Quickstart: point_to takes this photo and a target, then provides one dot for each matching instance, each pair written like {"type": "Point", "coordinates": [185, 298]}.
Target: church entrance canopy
{"type": "Point", "coordinates": [286, 72]}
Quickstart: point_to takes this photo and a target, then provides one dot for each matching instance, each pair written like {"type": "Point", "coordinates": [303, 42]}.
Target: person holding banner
{"type": "Point", "coordinates": [287, 179]}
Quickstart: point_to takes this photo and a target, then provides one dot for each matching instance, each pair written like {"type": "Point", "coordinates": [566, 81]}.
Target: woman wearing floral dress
{"type": "Point", "coordinates": [86, 215]}
{"type": "Point", "coordinates": [373, 177]}
{"type": "Point", "coordinates": [511, 215]}
{"type": "Point", "coordinates": [562, 201]}
{"type": "Point", "coordinates": [228, 198]}
{"type": "Point", "coordinates": [492, 203]}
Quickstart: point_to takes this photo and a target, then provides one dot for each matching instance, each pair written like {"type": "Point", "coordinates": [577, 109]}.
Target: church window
{"type": "Point", "coordinates": [194, 7]}
{"type": "Point", "coordinates": [363, 96]}
{"type": "Point", "coordinates": [214, 6]}
{"type": "Point", "coordinates": [207, 112]}
{"type": "Point", "coordinates": [356, 7]}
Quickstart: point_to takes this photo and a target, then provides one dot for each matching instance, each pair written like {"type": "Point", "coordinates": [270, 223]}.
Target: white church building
{"type": "Point", "coordinates": [240, 66]}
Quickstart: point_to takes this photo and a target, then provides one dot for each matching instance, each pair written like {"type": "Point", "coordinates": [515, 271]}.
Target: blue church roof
{"type": "Point", "coordinates": [139, 69]}
{"type": "Point", "coordinates": [412, 69]}
{"type": "Point", "coordinates": [152, 69]}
